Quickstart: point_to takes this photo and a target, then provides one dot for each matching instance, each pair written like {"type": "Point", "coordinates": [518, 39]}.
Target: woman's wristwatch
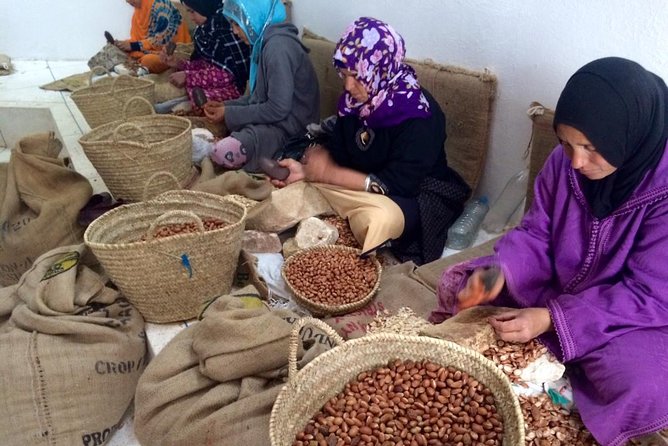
{"type": "Point", "coordinates": [373, 185]}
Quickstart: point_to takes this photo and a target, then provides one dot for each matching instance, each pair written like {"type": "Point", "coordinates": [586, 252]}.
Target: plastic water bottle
{"type": "Point", "coordinates": [464, 230]}
{"type": "Point", "coordinates": [504, 207]}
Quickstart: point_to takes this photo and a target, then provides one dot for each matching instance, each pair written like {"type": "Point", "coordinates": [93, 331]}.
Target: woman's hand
{"type": "Point", "coordinates": [123, 45]}
{"type": "Point", "coordinates": [215, 111]}
{"type": "Point", "coordinates": [476, 292]}
{"type": "Point", "coordinates": [168, 60]}
{"type": "Point", "coordinates": [296, 172]}
{"type": "Point", "coordinates": [178, 79]}
{"type": "Point", "coordinates": [317, 164]}
{"type": "Point", "coordinates": [521, 325]}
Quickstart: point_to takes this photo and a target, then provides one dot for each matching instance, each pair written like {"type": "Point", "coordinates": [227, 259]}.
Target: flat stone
{"type": "Point", "coordinates": [261, 242]}
{"type": "Point", "coordinates": [290, 247]}
{"type": "Point", "coordinates": [314, 232]}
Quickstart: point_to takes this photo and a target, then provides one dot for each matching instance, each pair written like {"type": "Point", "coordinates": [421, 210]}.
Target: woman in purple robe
{"type": "Point", "coordinates": [587, 268]}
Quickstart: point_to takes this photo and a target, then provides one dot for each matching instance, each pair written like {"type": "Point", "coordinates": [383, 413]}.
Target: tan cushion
{"type": "Point", "coordinates": [465, 96]}
{"type": "Point", "coordinates": [543, 140]}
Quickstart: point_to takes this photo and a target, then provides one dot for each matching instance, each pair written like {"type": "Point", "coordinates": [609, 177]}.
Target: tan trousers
{"type": "Point", "coordinates": [373, 218]}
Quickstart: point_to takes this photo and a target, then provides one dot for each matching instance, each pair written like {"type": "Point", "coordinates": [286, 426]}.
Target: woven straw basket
{"type": "Point", "coordinates": [103, 100]}
{"type": "Point", "coordinates": [127, 153]}
{"type": "Point", "coordinates": [317, 308]}
{"type": "Point", "coordinates": [169, 279]}
{"type": "Point", "coordinates": [308, 390]}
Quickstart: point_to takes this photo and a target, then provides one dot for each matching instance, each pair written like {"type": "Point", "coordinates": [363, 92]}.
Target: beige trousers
{"type": "Point", "coordinates": [373, 218]}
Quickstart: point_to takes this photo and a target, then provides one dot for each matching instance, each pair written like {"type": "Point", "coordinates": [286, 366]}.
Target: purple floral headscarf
{"type": "Point", "coordinates": [375, 51]}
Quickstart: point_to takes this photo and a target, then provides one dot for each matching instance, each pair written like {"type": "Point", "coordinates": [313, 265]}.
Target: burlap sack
{"type": "Point", "coordinates": [40, 200]}
{"type": "Point", "coordinates": [72, 351]}
{"type": "Point", "coordinates": [430, 273]}
{"type": "Point", "coordinates": [5, 65]}
{"type": "Point", "coordinates": [252, 191]}
{"type": "Point", "coordinates": [289, 206]}
{"type": "Point", "coordinates": [233, 182]}
{"type": "Point", "coordinates": [164, 90]}
{"type": "Point", "coordinates": [399, 287]}
{"type": "Point", "coordinates": [108, 57]}
{"type": "Point", "coordinates": [468, 328]}
{"type": "Point", "coordinates": [216, 382]}
{"type": "Point", "coordinates": [543, 140]}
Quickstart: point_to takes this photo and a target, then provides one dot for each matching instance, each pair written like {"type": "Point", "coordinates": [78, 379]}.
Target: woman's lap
{"type": "Point", "coordinates": [621, 389]}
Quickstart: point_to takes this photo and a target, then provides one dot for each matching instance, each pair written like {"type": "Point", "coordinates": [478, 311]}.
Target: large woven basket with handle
{"type": "Point", "coordinates": [103, 100]}
{"type": "Point", "coordinates": [126, 153]}
{"type": "Point", "coordinates": [169, 279]}
{"type": "Point", "coordinates": [326, 376]}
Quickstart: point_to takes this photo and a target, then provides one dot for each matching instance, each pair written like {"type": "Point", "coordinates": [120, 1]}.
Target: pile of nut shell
{"type": "Point", "coordinates": [407, 403]}
{"type": "Point", "coordinates": [330, 276]}
{"type": "Point", "coordinates": [169, 230]}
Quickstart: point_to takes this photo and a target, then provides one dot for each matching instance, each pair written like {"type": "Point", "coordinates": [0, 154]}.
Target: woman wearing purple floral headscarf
{"type": "Point", "coordinates": [384, 167]}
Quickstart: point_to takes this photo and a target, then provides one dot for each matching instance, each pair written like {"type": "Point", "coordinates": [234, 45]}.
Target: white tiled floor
{"type": "Point", "coordinates": [21, 89]}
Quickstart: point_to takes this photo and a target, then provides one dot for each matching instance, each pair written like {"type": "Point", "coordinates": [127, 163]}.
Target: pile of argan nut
{"type": "Point", "coordinates": [331, 276]}
{"type": "Point", "coordinates": [169, 230]}
{"type": "Point", "coordinates": [546, 424]}
{"type": "Point", "coordinates": [346, 236]}
{"type": "Point", "coordinates": [512, 357]}
{"type": "Point", "coordinates": [407, 403]}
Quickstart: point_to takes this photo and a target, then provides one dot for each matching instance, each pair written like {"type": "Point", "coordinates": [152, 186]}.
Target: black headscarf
{"type": "Point", "coordinates": [206, 8]}
{"type": "Point", "coordinates": [623, 110]}
{"type": "Point", "coordinates": [216, 43]}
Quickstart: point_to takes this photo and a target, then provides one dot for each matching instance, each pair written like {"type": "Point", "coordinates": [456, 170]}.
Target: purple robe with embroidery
{"type": "Point", "coordinates": [604, 282]}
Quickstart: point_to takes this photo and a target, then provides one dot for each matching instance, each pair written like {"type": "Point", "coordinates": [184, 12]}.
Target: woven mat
{"type": "Point", "coordinates": [69, 83]}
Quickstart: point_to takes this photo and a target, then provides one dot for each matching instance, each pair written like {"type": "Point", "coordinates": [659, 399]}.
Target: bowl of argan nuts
{"type": "Point", "coordinates": [332, 280]}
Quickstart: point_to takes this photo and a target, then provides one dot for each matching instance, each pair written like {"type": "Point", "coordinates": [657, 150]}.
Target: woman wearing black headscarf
{"type": "Point", "coordinates": [587, 268]}
{"type": "Point", "coordinates": [220, 63]}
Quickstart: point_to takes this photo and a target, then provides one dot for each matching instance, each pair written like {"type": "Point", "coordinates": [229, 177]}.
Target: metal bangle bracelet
{"type": "Point", "coordinates": [367, 183]}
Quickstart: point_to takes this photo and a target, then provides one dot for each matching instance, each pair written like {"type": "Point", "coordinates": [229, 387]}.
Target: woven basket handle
{"type": "Point", "coordinates": [178, 217]}
{"type": "Point", "coordinates": [116, 80]}
{"type": "Point", "coordinates": [153, 177]}
{"type": "Point", "coordinates": [95, 70]}
{"type": "Point", "coordinates": [295, 340]}
{"type": "Point", "coordinates": [137, 99]}
{"type": "Point", "coordinates": [128, 125]}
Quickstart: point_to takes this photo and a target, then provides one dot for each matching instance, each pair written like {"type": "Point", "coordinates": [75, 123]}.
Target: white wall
{"type": "Point", "coordinates": [60, 29]}
{"type": "Point", "coordinates": [532, 46]}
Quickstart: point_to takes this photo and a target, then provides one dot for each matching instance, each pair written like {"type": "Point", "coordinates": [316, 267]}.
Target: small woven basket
{"type": "Point", "coordinates": [308, 390]}
{"type": "Point", "coordinates": [126, 153]}
{"type": "Point", "coordinates": [169, 279]}
{"type": "Point", "coordinates": [320, 309]}
{"type": "Point", "coordinates": [103, 100]}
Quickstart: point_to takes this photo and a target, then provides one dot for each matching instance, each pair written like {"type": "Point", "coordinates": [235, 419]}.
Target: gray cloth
{"type": "Point", "coordinates": [263, 124]}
